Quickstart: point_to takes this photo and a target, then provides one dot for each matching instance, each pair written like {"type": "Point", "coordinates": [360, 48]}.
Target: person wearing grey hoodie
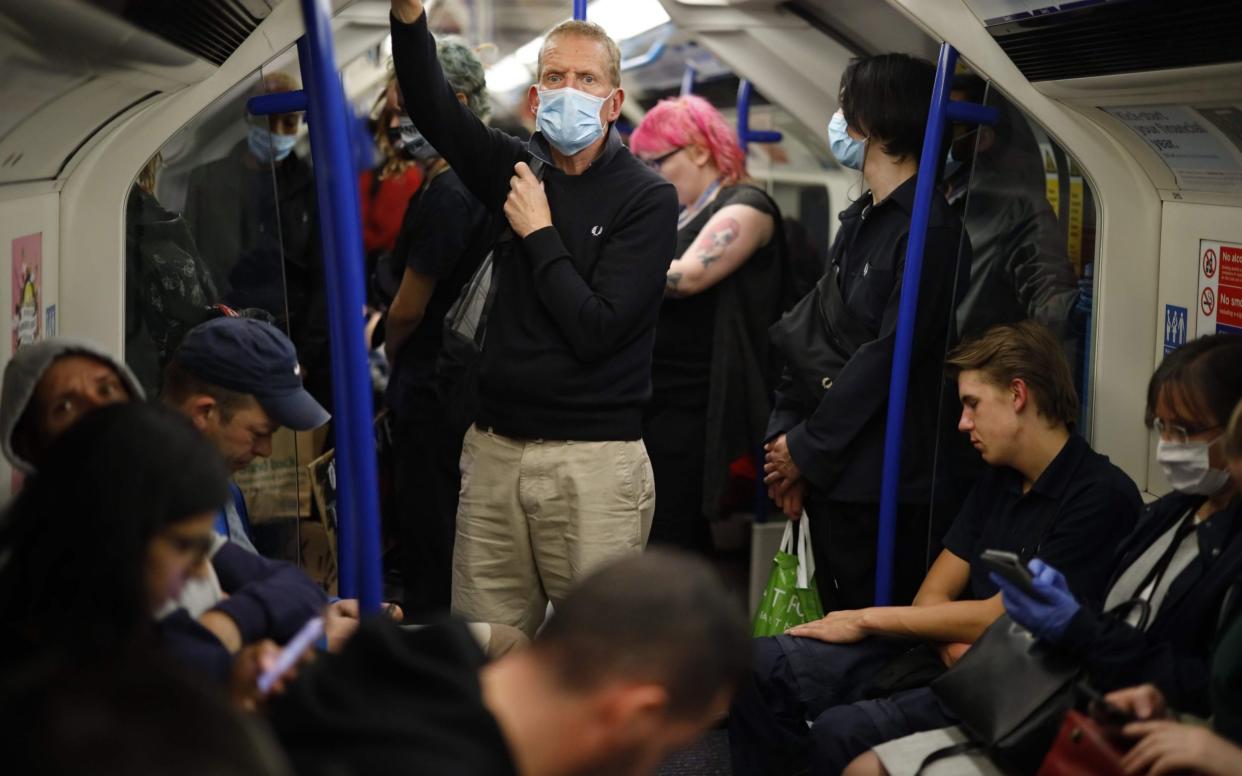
{"type": "Point", "coordinates": [50, 385]}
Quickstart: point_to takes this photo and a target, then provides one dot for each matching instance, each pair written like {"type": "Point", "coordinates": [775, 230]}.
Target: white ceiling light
{"type": "Point", "coordinates": [509, 74]}
{"type": "Point", "coordinates": [623, 19]}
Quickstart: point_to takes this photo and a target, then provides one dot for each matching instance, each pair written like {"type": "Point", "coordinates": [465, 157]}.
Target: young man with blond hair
{"type": "Point", "coordinates": [1045, 490]}
{"type": "Point", "coordinates": [555, 478]}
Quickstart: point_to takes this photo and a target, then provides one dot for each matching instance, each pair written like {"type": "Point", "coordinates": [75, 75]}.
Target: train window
{"type": "Point", "coordinates": [1030, 220]}
{"type": "Point", "coordinates": [225, 215]}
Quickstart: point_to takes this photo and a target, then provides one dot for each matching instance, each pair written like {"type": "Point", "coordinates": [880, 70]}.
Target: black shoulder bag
{"type": "Point", "coordinates": [465, 327]}
{"type": "Point", "coordinates": [1011, 691]}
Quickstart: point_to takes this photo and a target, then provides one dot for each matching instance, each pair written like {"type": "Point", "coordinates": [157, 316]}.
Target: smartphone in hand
{"type": "Point", "coordinates": [303, 640]}
{"type": "Point", "coordinates": [1009, 566]}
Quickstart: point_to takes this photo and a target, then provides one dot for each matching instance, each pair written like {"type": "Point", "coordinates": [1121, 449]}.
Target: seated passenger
{"type": "Point", "coordinates": [106, 535]}
{"type": "Point", "coordinates": [639, 658]}
{"type": "Point", "coordinates": [711, 370]}
{"type": "Point", "coordinates": [1180, 562]}
{"type": "Point", "coordinates": [49, 386]}
{"type": "Point", "coordinates": [241, 598]}
{"type": "Point", "coordinates": [1045, 492]}
{"type": "Point", "coordinates": [825, 438]}
{"type": "Point", "coordinates": [238, 381]}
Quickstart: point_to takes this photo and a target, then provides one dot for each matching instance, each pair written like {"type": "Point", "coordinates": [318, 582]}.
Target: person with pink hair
{"type": "Point", "coordinates": [711, 374]}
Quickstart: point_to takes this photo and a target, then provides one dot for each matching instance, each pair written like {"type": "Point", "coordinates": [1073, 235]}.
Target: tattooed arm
{"type": "Point", "coordinates": [725, 243]}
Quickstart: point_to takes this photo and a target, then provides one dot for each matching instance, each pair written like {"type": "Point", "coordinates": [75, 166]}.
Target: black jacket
{"type": "Point", "coordinates": [233, 206]}
{"type": "Point", "coordinates": [835, 421]}
{"type": "Point", "coordinates": [1173, 653]}
{"type": "Point", "coordinates": [568, 347]}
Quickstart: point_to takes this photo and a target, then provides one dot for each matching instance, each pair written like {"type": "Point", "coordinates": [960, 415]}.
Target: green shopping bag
{"type": "Point", "coordinates": [790, 597]}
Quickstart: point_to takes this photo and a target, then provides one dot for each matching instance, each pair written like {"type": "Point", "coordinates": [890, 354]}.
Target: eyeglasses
{"type": "Point", "coordinates": [659, 161]}
{"type": "Point", "coordinates": [1177, 433]}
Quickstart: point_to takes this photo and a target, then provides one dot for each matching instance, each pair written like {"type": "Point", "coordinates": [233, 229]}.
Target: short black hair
{"type": "Point", "coordinates": [662, 617]}
{"type": "Point", "coordinates": [1204, 374]}
{"type": "Point", "coordinates": [887, 97]}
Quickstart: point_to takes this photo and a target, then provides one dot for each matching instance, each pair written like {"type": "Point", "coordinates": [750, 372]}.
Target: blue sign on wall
{"type": "Point", "coordinates": [1174, 327]}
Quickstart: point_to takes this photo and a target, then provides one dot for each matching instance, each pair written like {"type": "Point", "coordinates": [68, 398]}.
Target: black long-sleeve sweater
{"type": "Point", "coordinates": [567, 354]}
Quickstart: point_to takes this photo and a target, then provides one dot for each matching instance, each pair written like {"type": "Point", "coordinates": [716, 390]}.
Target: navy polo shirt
{"type": "Point", "coordinates": [1073, 518]}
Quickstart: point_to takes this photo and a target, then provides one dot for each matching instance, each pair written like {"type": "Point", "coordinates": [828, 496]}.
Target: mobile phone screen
{"type": "Point", "coordinates": [303, 640]}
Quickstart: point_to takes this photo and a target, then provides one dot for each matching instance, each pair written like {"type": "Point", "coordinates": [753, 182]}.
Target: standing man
{"type": "Point", "coordinates": [255, 220]}
{"type": "Point", "coordinates": [555, 478]}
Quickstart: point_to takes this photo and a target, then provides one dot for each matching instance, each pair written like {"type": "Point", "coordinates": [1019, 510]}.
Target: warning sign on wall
{"type": "Point", "coordinates": [1220, 287]}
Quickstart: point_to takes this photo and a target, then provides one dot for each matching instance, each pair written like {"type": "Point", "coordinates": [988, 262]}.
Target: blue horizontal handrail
{"type": "Point", "coordinates": [277, 102]}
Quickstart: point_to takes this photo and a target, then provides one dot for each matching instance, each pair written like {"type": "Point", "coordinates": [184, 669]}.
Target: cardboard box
{"type": "Point", "coordinates": [278, 488]}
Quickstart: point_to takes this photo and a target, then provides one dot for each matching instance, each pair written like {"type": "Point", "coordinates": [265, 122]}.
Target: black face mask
{"type": "Point", "coordinates": [408, 142]}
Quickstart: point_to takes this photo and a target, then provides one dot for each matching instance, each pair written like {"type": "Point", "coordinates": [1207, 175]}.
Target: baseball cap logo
{"type": "Point", "coordinates": [297, 369]}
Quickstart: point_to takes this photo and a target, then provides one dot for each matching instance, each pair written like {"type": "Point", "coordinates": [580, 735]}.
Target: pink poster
{"type": "Point", "coordinates": [27, 288]}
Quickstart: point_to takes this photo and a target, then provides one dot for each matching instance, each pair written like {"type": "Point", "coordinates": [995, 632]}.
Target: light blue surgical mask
{"type": "Point", "coordinates": [569, 118]}
{"type": "Point", "coordinates": [848, 151]}
{"type": "Point", "coordinates": [268, 146]}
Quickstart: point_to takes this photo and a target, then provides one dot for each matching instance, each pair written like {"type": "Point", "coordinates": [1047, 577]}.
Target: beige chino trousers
{"type": "Point", "coordinates": [536, 516]}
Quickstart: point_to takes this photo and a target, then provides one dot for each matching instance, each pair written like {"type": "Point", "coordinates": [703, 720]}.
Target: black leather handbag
{"type": "Point", "coordinates": [1010, 692]}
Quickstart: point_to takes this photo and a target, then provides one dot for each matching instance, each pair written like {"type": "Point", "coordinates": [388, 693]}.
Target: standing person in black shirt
{"type": "Point", "coordinates": [860, 676]}
{"type": "Point", "coordinates": [555, 478]}
{"type": "Point", "coordinates": [710, 375]}
{"type": "Point", "coordinates": [444, 236]}
{"type": "Point", "coordinates": [826, 435]}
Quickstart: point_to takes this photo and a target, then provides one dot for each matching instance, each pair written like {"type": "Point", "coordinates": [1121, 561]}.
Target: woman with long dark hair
{"type": "Point", "coordinates": [107, 533]}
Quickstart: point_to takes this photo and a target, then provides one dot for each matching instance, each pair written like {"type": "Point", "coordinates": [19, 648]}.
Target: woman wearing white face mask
{"type": "Point", "coordinates": [1170, 577]}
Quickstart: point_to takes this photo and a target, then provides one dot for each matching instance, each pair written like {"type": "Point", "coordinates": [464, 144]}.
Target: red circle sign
{"type": "Point", "coordinates": [1207, 302]}
{"type": "Point", "coordinates": [1209, 263]}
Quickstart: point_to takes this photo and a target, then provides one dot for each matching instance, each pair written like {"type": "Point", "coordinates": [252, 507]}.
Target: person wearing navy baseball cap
{"type": "Point", "coordinates": [239, 380]}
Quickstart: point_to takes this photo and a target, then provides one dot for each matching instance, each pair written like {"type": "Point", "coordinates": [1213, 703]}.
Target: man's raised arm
{"type": "Point", "coordinates": [482, 157]}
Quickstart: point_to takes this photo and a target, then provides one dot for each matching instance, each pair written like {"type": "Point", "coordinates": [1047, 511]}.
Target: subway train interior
{"type": "Point", "coordinates": [1100, 194]}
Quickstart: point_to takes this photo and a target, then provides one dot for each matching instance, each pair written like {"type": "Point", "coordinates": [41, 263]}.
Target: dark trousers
{"type": "Point", "coordinates": [675, 438]}
{"type": "Point", "coordinates": [844, 538]}
{"type": "Point", "coordinates": [796, 680]}
{"type": "Point", "coordinates": [426, 457]}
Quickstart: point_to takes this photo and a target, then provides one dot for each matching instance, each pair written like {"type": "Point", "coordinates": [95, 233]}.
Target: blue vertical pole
{"type": "Point", "coordinates": [341, 235]}
{"type": "Point", "coordinates": [687, 79]}
{"type": "Point", "coordinates": [580, 8]}
{"type": "Point", "coordinates": [925, 189]}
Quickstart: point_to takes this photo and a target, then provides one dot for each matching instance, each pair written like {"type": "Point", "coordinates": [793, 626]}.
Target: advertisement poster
{"type": "Point", "coordinates": [1198, 144]}
{"type": "Point", "coordinates": [27, 288]}
{"type": "Point", "coordinates": [1220, 288]}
